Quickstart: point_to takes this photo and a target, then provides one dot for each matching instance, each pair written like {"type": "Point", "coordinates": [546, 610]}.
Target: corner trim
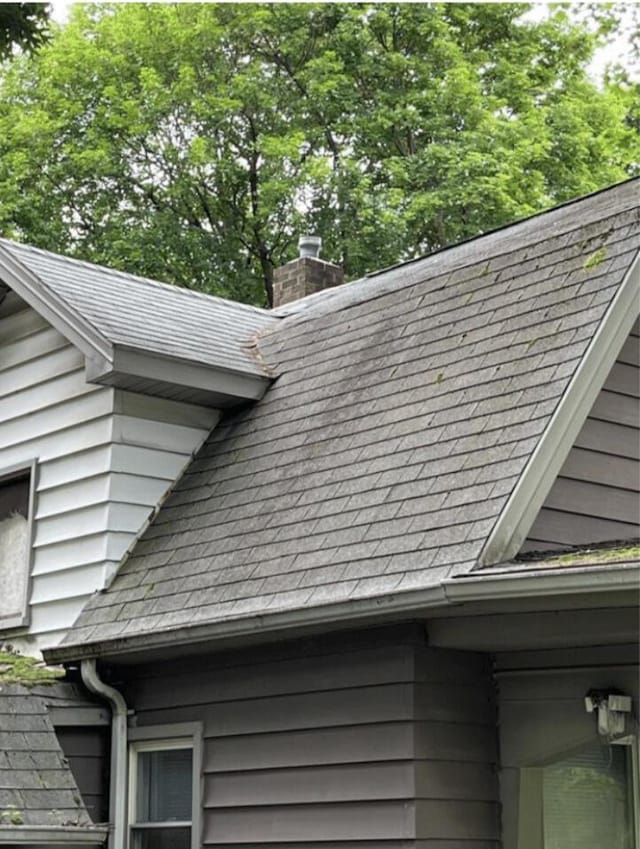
{"type": "Point", "coordinates": [543, 467]}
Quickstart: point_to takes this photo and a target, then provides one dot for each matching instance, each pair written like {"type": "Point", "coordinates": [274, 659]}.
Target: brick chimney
{"type": "Point", "coordinates": [305, 275]}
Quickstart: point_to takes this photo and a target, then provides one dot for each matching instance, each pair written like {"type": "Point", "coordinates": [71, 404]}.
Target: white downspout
{"type": "Point", "coordinates": [118, 771]}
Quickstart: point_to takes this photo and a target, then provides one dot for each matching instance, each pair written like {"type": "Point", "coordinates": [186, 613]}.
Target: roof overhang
{"type": "Point", "coordinates": [118, 365]}
{"type": "Point", "coordinates": [544, 465]}
{"type": "Point", "coordinates": [532, 586]}
{"type": "Point", "coordinates": [169, 377]}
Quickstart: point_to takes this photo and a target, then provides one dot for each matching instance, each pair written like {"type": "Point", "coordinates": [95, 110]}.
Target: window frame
{"type": "Point", "coordinates": [153, 738]}
{"type": "Point", "coordinates": [28, 468]}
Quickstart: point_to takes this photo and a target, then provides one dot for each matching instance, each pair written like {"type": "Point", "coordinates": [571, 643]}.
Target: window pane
{"type": "Point", "coordinates": [164, 786]}
{"type": "Point", "coordinates": [162, 838]}
{"type": "Point", "coordinates": [586, 800]}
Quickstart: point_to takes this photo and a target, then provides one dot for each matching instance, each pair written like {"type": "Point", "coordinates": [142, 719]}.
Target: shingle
{"type": "Point", "coordinates": [405, 408]}
{"type": "Point", "coordinates": [35, 778]}
{"type": "Point", "coordinates": [148, 315]}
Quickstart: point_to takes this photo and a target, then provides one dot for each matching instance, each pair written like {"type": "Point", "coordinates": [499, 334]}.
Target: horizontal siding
{"type": "Point", "coordinates": [337, 746]}
{"type": "Point", "coordinates": [456, 784]}
{"type": "Point", "coordinates": [596, 497]}
{"type": "Point", "coordinates": [105, 459]}
{"type": "Point", "coordinates": [87, 750]}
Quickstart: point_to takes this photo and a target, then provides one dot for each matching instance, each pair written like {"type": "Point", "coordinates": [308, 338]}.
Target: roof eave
{"type": "Point", "coordinates": [221, 385]}
{"type": "Point", "coordinates": [544, 465]}
{"type": "Point", "coordinates": [477, 587]}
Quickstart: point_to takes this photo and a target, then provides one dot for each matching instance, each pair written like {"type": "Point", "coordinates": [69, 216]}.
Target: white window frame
{"type": "Point", "coordinates": [184, 735]}
{"type": "Point", "coordinates": [26, 469]}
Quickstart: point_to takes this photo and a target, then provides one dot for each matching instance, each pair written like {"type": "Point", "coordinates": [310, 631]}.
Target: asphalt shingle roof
{"type": "Point", "coordinates": [147, 315]}
{"type": "Point", "coordinates": [37, 787]}
{"type": "Point", "coordinates": [405, 409]}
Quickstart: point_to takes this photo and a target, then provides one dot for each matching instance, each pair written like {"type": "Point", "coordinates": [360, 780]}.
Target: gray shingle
{"type": "Point", "coordinates": [35, 780]}
{"type": "Point", "coordinates": [406, 407]}
{"type": "Point", "coordinates": [148, 315]}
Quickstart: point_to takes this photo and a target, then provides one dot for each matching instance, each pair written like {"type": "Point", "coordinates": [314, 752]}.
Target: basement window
{"type": "Point", "coordinates": [163, 790]}
{"type": "Point", "coordinates": [15, 545]}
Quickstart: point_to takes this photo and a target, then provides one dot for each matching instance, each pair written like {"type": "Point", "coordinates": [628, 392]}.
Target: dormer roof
{"type": "Point", "coordinates": [141, 334]}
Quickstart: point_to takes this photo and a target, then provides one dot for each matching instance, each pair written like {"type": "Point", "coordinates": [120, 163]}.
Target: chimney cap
{"type": "Point", "coordinates": [309, 246]}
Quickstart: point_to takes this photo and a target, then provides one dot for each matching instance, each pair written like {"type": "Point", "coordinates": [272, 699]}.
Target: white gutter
{"type": "Point", "coordinates": [118, 782]}
{"type": "Point", "coordinates": [479, 586]}
{"type": "Point", "coordinates": [541, 582]}
{"type": "Point", "coordinates": [543, 467]}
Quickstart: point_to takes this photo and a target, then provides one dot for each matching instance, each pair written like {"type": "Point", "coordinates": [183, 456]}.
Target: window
{"type": "Point", "coordinates": [16, 498]}
{"type": "Point", "coordinates": [582, 800]}
{"type": "Point", "coordinates": [164, 803]}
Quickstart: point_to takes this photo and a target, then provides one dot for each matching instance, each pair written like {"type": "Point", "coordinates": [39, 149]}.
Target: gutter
{"type": "Point", "coordinates": [541, 582]}
{"type": "Point", "coordinates": [479, 586]}
{"type": "Point", "coordinates": [38, 835]}
{"type": "Point", "coordinates": [118, 771]}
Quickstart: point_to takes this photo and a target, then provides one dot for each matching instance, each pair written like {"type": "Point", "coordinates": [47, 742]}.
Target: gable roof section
{"type": "Point", "coordinates": [39, 799]}
{"type": "Point", "coordinates": [380, 462]}
{"type": "Point", "coordinates": [116, 318]}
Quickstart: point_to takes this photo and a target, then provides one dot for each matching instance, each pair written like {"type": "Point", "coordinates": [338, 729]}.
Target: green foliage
{"type": "Point", "coordinates": [20, 669]}
{"type": "Point", "coordinates": [22, 25]}
{"type": "Point", "coordinates": [195, 142]}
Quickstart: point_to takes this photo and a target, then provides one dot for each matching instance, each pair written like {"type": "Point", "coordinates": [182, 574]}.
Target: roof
{"type": "Point", "coordinates": [124, 310]}
{"type": "Point", "coordinates": [39, 798]}
{"type": "Point", "coordinates": [407, 409]}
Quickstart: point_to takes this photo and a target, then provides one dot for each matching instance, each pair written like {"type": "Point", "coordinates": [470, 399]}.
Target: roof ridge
{"type": "Point", "coordinates": [325, 297]}
{"type": "Point", "coordinates": [546, 211]}
{"type": "Point", "coordinates": [173, 287]}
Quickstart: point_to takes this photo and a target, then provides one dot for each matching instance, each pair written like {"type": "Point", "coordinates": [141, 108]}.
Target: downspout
{"type": "Point", "coordinates": [118, 770]}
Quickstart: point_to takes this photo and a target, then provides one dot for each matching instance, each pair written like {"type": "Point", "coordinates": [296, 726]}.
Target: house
{"type": "Point", "coordinates": [392, 601]}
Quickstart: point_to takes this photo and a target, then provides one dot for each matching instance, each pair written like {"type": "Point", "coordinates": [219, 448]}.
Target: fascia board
{"type": "Point", "coordinates": [526, 500]}
{"type": "Point", "coordinates": [213, 379]}
{"type": "Point", "coordinates": [51, 307]}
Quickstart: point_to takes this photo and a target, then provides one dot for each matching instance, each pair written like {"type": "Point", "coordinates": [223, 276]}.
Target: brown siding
{"type": "Point", "coordinates": [87, 750]}
{"type": "Point", "coordinates": [375, 739]}
{"type": "Point", "coordinates": [456, 750]}
{"type": "Point", "coordinates": [596, 497]}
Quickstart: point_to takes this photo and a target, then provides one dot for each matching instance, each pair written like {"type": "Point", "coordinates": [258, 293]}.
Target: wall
{"type": "Point", "coordinates": [104, 459]}
{"type": "Point", "coordinates": [596, 497]}
{"type": "Point", "coordinates": [367, 739]}
{"type": "Point", "coordinates": [87, 751]}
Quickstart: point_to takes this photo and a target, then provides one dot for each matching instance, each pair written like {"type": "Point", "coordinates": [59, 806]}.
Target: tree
{"type": "Point", "coordinates": [194, 142]}
{"type": "Point", "coordinates": [22, 25]}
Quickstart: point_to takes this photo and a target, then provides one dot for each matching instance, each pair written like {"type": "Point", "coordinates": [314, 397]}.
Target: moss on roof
{"type": "Point", "coordinates": [19, 669]}
{"type": "Point", "coordinates": [592, 555]}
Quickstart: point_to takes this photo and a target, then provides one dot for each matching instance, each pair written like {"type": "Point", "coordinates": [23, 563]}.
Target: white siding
{"type": "Point", "coordinates": [104, 460]}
